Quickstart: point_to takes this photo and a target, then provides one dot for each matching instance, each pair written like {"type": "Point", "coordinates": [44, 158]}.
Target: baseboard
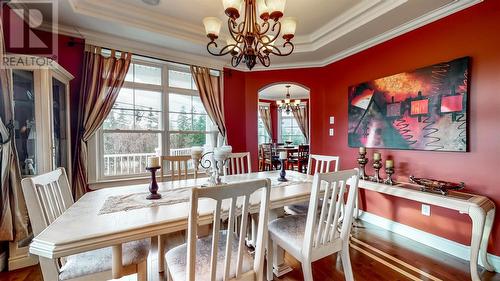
{"type": "Point", "coordinates": [450, 247]}
{"type": "Point", "coordinates": [19, 257]}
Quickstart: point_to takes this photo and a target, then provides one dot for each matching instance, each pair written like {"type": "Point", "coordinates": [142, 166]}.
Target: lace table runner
{"type": "Point", "coordinates": [135, 201]}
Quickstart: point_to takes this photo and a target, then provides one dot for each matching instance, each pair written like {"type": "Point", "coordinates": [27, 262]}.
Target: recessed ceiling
{"type": "Point", "coordinates": [328, 30]}
{"type": "Point", "coordinates": [278, 92]}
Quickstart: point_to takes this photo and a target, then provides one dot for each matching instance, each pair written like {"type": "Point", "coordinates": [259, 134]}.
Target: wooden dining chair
{"type": "Point", "coordinates": [319, 233]}
{"type": "Point", "coordinates": [47, 197]}
{"type": "Point", "coordinates": [300, 159]}
{"type": "Point", "coordinates": [238, 163]}
{"type": "Point", "coordinates": [223, 255]}
{"type": "Point", "coordinates": [178, 167]}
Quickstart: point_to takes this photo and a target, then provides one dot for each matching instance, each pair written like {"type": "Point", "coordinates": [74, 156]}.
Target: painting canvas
{"type": "Point", "coordinates": [424, 109]}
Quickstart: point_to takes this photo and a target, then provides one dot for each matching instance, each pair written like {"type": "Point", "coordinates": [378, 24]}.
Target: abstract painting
{"type": "Point", "coordinates": [424, 109]}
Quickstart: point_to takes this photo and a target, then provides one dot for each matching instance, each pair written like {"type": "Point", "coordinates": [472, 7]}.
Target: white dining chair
{"type": "Point", "coordinates": [319, 233]}
{"type": "Point", "coordinates": [47, 197]}
{"type": "Point", "coordinates": [223, 255]}
{"type": "Point", "coordinates": [238, 163]}
{"type": "Point", "coordinates": [321, 164]}
{"type": "Point", "coordinates": [178, 167]}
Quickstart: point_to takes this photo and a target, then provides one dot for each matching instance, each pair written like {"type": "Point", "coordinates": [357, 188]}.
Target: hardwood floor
{"type": "Point", "coordinates": [376, 254]}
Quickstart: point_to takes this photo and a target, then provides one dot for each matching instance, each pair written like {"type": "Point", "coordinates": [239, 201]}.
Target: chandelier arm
{"type": "Point", "coordinates": [235, 60]}
{"type": "Point", "coordinates": [277, 52]}
{"type": "Point", "coordinates": [222, 52]}
{"type": "Point", "coordinates": [264, 59]}
{"type": "Point", "coordinates": [235, 29]}
{"type": "Point", "coordinates": [264, 28]}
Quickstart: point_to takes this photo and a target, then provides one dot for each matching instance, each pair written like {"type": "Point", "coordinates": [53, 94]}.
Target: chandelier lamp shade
{"type": "Point", "coordinates": [253, 38]}
{"type": "Point", "coordinates": [287, 105]}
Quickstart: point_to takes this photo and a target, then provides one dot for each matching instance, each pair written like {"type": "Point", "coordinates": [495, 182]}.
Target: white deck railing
{"type": "Point", "coordinates": [134, 163]}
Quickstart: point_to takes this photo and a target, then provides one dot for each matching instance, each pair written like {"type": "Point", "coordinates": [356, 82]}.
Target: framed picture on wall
{"type": "Point", "coordinates": [423, 109]}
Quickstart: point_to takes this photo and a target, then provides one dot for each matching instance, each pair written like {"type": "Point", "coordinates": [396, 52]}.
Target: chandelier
{"type": "Point", "coordinates": [252, 39]}
{"type": "Point", "coordinates": [287, 104]}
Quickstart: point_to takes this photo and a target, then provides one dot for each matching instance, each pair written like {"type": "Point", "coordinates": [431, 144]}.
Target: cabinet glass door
{"type": "Point", "coordinates": [24, 120]}
{"type": "Point", "coordinates": [60, 136]}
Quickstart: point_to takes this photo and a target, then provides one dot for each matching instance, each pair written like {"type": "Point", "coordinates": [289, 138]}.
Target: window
{"type": "Point", "coordinates": [158, 111]}
{"type": "Point", "coordinates": [263, 136]}
{"type": "Point", "coordinates": [289, 129]}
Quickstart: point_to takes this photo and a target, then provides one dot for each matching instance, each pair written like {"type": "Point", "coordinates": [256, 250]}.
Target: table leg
{"type": "Point", "coordinates": [117, 265]}
{"type": "Point", "coordinates": [483, 250]}
{"type": "Point", "coordinates": [478, 218]}
{"type": "Point", "coordinates": [161, 253]}
{"type": "Point", "coordinates": [280, 268]}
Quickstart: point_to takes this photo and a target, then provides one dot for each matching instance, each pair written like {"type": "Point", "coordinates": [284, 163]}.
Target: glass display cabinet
{"type": "Point", "coordinates": [42, 130]}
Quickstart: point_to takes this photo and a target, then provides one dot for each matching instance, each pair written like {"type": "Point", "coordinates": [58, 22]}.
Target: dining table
{"type": "Point", "coordinates": [84, 226]}
{"type": "Point", "coordinates": [95, 221]}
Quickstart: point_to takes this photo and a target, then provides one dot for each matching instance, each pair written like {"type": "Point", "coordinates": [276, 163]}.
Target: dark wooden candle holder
{"type": "Point", "coordinates": [153, 186]}
{"type": "Point", "coordinates": [282, 173]}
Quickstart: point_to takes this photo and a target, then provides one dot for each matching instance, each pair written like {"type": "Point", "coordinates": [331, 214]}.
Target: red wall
{"type": "Point", "coordinates": [472, 32]}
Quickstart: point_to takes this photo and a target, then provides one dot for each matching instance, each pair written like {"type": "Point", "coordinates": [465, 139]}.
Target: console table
{"type": "Point", "coordinates": [480, 209]}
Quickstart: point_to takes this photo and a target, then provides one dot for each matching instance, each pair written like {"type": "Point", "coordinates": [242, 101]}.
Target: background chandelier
{"type": "Point", "coordinates": [252, 39]}
{"type": "Point", "coordinates": [286, 104]}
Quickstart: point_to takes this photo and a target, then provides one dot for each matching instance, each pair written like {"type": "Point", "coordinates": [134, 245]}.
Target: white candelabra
{"type": "Point", "coordinates": [213, 165]}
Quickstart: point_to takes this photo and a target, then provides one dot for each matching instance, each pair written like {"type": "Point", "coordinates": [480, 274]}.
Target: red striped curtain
{"type": "Point", "coordinates": [102, 80]}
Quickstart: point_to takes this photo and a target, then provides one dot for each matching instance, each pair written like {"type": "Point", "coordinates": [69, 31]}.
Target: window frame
{"type": "Point", "coordinates": [164, 130]}
{"type": "Point", "coordinates": [280, 121]}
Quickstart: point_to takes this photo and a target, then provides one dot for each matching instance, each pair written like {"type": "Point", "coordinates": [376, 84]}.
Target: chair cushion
{"type": "Point", "coordinates": [290, 231]}
{"type": "Point", "coordinates": [297, 209]}
{"type": "Point", "coordinates": [177, 262]}
{"type": "Point", "coordinates": [100, 260]}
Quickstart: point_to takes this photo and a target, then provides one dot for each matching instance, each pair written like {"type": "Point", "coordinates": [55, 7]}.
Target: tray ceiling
{"type": "Point", "coordinates": [328, 30]}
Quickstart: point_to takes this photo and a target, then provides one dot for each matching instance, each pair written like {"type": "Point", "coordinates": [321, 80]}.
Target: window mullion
{"type": "Point", "coordinates": [166, 112]}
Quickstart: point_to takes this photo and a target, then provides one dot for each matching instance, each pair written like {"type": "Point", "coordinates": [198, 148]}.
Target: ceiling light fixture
{"type": "Point", "coordinates": [252, 39]}
{"type": "Point", "coordinates": [286, 104]}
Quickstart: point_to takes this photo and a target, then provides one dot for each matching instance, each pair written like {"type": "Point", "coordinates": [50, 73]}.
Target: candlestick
{"type": "Point", "coordinates": [282, 173]}
{"type": "Point", "coordinates": [389, 171]}
{"type": "Point", "coordinates": [362, 160]}
{"type": "Point", "coordinates": [153, 186]}
{"type": "Point", "coordinates": [377, 164]}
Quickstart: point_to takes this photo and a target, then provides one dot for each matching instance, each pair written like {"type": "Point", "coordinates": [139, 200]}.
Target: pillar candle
{"type": "Point", "coordinates": [283, 155]}
{"type": "Point", "coordinates": [376, 156]}
{"type": "Point", "coordinates": [389, 163]}
{"type": "Point", "coordinates": [153, 162]}
{"type": "Point", "coordinates": [196, 152]}
{"type": "Point", "coordinates": [362, 150]}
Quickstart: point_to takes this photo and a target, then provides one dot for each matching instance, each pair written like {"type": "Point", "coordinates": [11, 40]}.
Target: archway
{"type": "Point", "coordinates": [282, 120]}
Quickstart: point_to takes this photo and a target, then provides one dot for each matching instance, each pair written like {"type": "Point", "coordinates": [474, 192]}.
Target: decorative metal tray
{"type": "Point", "coordinates": [436, 186]}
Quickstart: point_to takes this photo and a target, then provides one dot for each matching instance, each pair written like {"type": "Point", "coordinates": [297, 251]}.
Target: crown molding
{"type": "Point", "coordinates": [124, 13]}
{"type": "Point", "coordinates": [136, 47]}
{"type": "Point", "coordinates": [451, 8]}
{"type": "Point", "coordinates": [340, 26]}
{"type": "Point", "coordinates": [350, 20]}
